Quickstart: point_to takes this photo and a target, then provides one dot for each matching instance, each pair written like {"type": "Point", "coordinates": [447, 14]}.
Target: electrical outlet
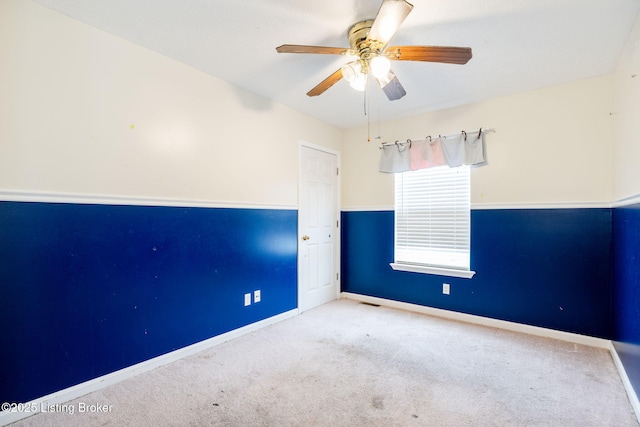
{"type": "Point", "coordinates": [256, 296]}
{"type": "Point", "coordinates": [247, 299]}
{"type": "Point", "coordinates": [446, 288]}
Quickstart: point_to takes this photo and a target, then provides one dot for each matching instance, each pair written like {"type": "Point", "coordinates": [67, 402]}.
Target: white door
{"type": "Point", "coordinates": [317, 228]}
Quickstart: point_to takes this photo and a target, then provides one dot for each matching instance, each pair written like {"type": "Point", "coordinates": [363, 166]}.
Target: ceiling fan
{"type": "Point", "coordinates": [368, 40]}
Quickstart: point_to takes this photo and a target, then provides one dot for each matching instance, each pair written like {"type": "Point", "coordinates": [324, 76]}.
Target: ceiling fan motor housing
{"type": "Point", "coordinates": [363, 47]}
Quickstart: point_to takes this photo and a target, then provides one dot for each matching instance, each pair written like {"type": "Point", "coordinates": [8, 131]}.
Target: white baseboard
{"type": "Point", "coordinates": [485, 321]}
{"type": "Point", "coordinates": [74, 392]}
{"type": "Point", "coordinates": [631, 393]}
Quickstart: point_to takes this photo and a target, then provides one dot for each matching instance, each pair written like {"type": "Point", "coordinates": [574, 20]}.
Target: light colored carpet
{"type": "Point", "coordinates": [351, 364]}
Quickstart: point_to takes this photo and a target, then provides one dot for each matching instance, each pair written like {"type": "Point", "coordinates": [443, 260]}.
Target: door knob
{"type": "Point", "coordinates": [305, 237]}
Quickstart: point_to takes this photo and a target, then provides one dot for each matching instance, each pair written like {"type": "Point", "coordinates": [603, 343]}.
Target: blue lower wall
{"type": "Point", "coordinates": [626, 269]}
{"type": "Point", "coordinates": [542, 267]}
{"type": "Point", "coordinates": [89, 289]}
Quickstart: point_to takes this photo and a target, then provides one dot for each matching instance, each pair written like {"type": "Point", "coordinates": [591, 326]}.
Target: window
{"type": "Point", "coordinates": [432, 221]}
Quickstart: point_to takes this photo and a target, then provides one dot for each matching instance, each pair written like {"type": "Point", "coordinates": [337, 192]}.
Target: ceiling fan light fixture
{"type": "Point", "coordinates": [379, 66]}
{"type": "Point", "coordinates": [351, 70]}
{"type": "Point", "coordinates": [360, 82]}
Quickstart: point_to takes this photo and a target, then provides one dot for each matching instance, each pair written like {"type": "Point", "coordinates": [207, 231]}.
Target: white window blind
{"type": "Point", "coordinates": [432, 219]}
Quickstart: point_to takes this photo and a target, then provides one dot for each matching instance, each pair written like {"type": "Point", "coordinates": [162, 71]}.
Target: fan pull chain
{"type": "Point", "coordinates": [378, 137]}
{"type": "Point", "coordinates": [367, 108]}
{"type": "Point", "coordinates": [369, 128]}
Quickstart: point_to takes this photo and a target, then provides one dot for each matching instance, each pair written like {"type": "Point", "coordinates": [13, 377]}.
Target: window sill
{"type": "Point", "coordinates": [465, 274]}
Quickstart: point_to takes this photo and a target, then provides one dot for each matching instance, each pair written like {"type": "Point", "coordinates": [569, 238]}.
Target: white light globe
{"type": "Point", "coordinates": [351, 70]}
{"type": "Point", "coordinates": [360, 82]}
{"type": "Point", "coordinates": [380, 66]}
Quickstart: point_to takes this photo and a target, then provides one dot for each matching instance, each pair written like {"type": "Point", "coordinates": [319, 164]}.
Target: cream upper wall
{"type": "Point", "coordinates": [626, 178]}
{"type": "Point", "coordinates": [552, 145]}
{"type": "Point", "coordinates": [85, 112]}
{"type": "Point", "coordinates": [89, 113]}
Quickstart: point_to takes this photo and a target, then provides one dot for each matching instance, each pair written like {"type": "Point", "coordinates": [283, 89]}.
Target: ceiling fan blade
{"type": "Point", "coordinates": [391, 86]}
{"type": "Point", "coordinates": [447, 54]}
{"type": "Point", "coordinates": [297, 48]}
{"type": "Point", "coordinates": [326, 83]}
{"type": "Point", "coordinates": [391, 14]}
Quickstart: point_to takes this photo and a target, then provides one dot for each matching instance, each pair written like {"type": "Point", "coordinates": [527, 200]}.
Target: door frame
{"type": "Point", "coordinates": [313, 146]}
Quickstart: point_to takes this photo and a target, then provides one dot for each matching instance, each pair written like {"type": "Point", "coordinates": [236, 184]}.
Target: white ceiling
{"type": "Point", "coordinates": [518, 45]}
